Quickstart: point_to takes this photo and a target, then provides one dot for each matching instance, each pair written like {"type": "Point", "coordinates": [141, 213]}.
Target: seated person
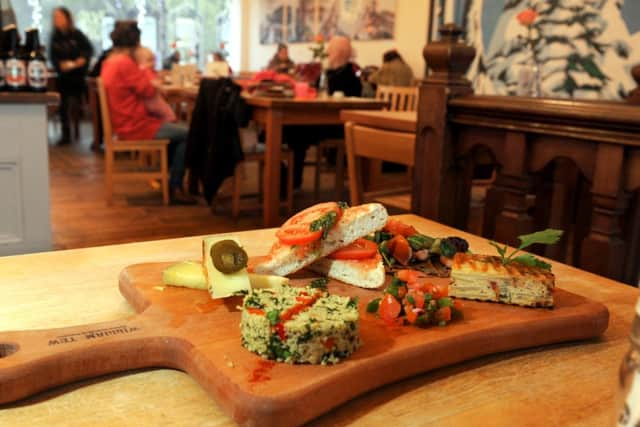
{"type": "Point", "coordinates": [341, 74]}
{"type": "Point", "coordinates": [394, 71]}
{"type": "Point", "coordinates": [341, 77]}
{"type": "Point", "coordinates": [217, 68]}
{"type": "Point", "coordinates": [170, 60]}
{"type": "Point", "coordinates": [127, 88]}
{"type": "Point", "coordinates": [281, 63]}
{"type": "Point", "coordinates": [156, 105]}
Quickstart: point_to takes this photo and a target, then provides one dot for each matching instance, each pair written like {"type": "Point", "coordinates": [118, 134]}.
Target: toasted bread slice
{"type": "Point", "coordinates": [365, 273]}
{"type": "Point", "coordinates": [356, 222]}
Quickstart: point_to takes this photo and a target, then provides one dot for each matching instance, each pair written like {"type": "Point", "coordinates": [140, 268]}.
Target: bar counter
{"type": "Point", "coordinates": [24, 172]}
{"type": "Point", "coordinates": [566, 384]}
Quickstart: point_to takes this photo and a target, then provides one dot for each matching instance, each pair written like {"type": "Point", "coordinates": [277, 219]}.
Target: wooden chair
{"type": "Point", "coordinates": [321, 149]}
{"type": "Point", "coordinates": [113, 146]}
{"type": "Point", "coordinates": [256, 156]}
{"type": "Point", "coordinates": [400, 98]}
{"type": "Point", "coordinates": [94, 109]}
{"type": "Point", "coordinates": [364, 142]}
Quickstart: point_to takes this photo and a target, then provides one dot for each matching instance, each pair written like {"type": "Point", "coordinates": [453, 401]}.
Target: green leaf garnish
{"type": "Point", "coordinates": [549, 236]}
{"type": "Point", "coordinates": [324, 223]}
{"type": "Point", "coordinates": [320, 283]}
{"type": "Point", "coordinates": [502, 250]}
{"type": "Point", "coordinates": [373, 305]}
{"type": "Point", "coordinates": [530, 260]}
{"type": "Point", "coordinates": [545, 237]}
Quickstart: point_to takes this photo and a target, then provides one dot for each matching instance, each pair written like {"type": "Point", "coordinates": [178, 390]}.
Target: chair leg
{"type": "Point", "coordinates": [289, 182]}
{"type": "Point", "coordinates": [108, 176]}
{"type": "Point", "coordinates": [340, 153]}
{"type": "Point", "coordinates": [164, 169]}
{"type": "Point", "coordinates": [235, 196]}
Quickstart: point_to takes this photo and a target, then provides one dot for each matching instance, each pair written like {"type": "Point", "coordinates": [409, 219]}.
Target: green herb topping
{"type": "Point", "coordinates": [549, 236]}
{"type": "Point", "coordinates": [320, 283]}
{"type": "Point", "coordinates": [324, 223]}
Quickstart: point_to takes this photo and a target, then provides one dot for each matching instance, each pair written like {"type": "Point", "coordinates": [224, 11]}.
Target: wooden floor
{"type": "Point", "coordinates": [81, 218]}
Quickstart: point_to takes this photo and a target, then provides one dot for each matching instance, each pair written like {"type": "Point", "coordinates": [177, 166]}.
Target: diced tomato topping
{"type": "Point", "coordinates": [389, 308]}
{"type": "Point", "coordinates": [254, 310]}
{"type": "Point", "coordinates": [400, 249]}
{"type": "Point", "coordinates": [280, 331]}
{"type": "Point", "coordinates": [360, 249]}
{"type": "Point", "coordinates": [296, 230]}
{"type": "Point", "coordinates": [417, 297]}
{"type": "Point", "coordinates": [409, 276]}
{"type": "Point", "coordinates": [443, 313]}
{"type": "Point", "coordinates": [457, 304]}
{"type": "Point", "coordinates": [440, 290]}
{"type": "Point", "coordinates": [399, 228]}
{"type": "Point", "coordinates": [329, 343]}
{"type": "Point", "coordinates": [411, 313]}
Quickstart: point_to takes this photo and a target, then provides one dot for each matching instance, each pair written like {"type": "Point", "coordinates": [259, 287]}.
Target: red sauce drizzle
{"type": "Point", "coordinates": [304, 301]}
{"type": "Point", "coordinates": [261, 372]}
{"type": "Point", "coordinates": [206, 307]}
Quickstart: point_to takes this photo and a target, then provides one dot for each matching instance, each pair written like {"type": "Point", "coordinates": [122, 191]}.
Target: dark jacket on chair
{"type": "Point", "coordinates": [213, 145]}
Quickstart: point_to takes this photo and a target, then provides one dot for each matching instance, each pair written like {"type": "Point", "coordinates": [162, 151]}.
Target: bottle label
{"type": "Point", "coordinates": [1, 73]}
{"type": "Point", "coordinates": [630, 414]}
{"type": "Point", "coordinates": [37, 74]}
{"type": "Point", "coordinates": [15, 73]}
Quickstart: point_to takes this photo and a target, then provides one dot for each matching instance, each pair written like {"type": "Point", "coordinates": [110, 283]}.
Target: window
{"type": "Point", "coordinates": [195, 28]}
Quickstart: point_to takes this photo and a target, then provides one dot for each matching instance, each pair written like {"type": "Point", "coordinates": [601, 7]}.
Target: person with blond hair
{"type": "Point", "coordinates": [341, 77]}
{"type": "Point", "coordinates": [341, 74]}
{"type": "Point", "coordinates": [155, 105]}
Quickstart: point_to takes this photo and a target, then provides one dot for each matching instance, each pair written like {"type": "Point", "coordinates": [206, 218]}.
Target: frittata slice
{"type": "Point", "coordinates": [485, 278]}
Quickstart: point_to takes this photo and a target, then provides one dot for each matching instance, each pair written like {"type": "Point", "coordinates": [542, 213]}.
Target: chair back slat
{"type": "Point", "coordinates": [399, 98]}
{"type": "Point", "coordinates": [107, 130]}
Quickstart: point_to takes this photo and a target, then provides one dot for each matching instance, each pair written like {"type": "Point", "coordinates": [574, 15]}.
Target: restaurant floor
{"type": "Point", "coordinates": [81, 218]}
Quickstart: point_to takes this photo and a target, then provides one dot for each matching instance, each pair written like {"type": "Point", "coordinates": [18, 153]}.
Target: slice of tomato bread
{"type": "Point", "coordinates": [365, 273]}
{"type": "Point", "coordinates": [356, 222]}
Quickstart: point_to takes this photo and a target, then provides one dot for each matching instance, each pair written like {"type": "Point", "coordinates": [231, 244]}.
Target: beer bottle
{"type": "Point", "coordinates": [15, 66]}
{"type": "Point", "coordinates": [36, 62]}
{"type": "Point", "coordinates": [2, 59]}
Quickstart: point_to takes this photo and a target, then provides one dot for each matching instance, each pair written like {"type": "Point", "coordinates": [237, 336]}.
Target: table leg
{"type": "Point", "coordinates": [273, 146]}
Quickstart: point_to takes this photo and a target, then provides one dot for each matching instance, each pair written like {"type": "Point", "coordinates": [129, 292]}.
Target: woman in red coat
{"type": "Point", "coordinates": [127, 87]}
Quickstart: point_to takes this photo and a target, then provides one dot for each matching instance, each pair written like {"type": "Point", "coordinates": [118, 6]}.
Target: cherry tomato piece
{"type": "Point", "coordinates": [389, 308]}
{"type": "Point", "coordinates": [394, 226]}
{"type": "Point", "coordinates": [360, 249]}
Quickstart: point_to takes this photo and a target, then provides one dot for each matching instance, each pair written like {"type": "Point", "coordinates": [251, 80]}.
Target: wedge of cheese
{"type": "Point", "coordinates": [191, 274]}
{"type": "Point", "coordinates": [188, 274]}
{"type": "Point", "coordinates": [222, 285]}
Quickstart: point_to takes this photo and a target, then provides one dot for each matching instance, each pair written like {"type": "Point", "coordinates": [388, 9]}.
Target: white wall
{"type": "Point", "coordinates": [412, 17]}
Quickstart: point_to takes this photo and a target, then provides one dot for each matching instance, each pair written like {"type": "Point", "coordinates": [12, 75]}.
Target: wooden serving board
{"type": "Point", "coordinates": [184, 329]}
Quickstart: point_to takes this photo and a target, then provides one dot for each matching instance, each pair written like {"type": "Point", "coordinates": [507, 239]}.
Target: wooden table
{"type": "Point", "coordinates": [275, 113]}
{"type": "Point", "coordinates": [401, 121]}
{"type": "Point", "coordinates": [568, 384]}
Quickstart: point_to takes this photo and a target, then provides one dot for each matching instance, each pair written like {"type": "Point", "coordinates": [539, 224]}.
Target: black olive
{"type": "Point", "coordinates": [228, 257]}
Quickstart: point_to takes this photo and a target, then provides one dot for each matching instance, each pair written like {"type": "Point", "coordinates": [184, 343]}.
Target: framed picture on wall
{"type": "Point", "coordinates": [295, 21]}
{"type": "Point", "coordinates": [582, 50]}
